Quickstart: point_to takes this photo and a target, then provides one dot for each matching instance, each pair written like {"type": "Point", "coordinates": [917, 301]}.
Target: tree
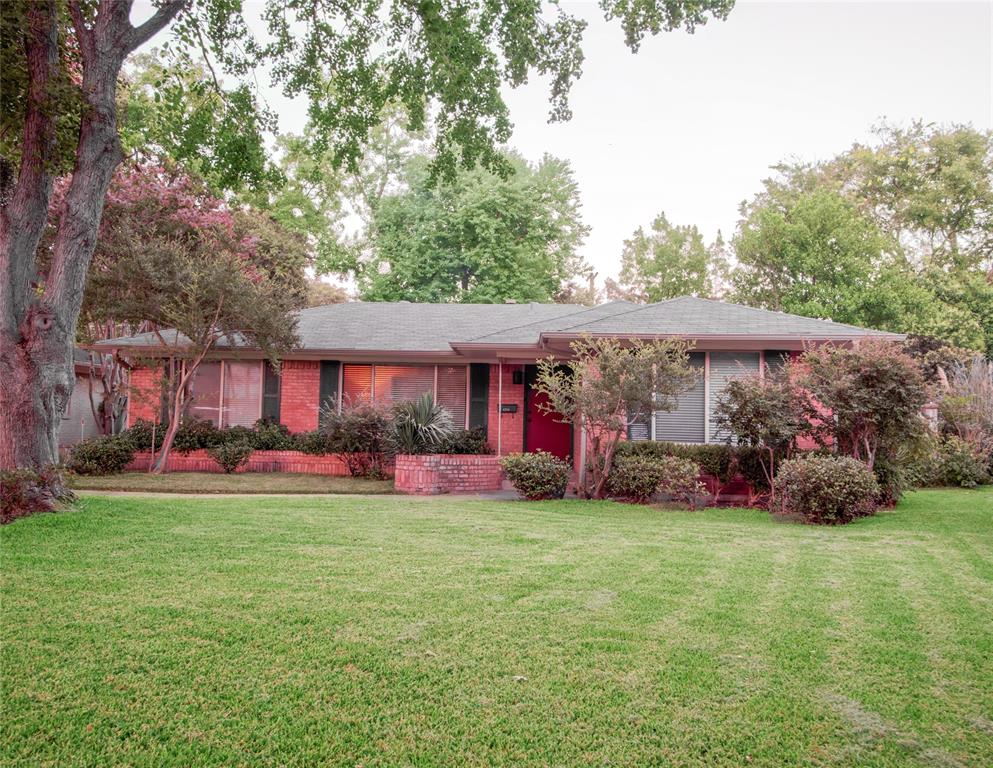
{"type": "Point", "coordinates": [874, 392]}
{"type": "Point", "coordinates": [478, 238]}
{"type": "Point", "coordinates": [766, 412]}
{"type": "Point", "coordinates": [669, 261]}
{"type": "Point", "coordinates": [608, 386]}
{"type": "Point", "coordinates": [320, 293]}
{"type": "Point", "coordinates": [174, 110]}
{"type": "Point", "coordinates": [59, 83]}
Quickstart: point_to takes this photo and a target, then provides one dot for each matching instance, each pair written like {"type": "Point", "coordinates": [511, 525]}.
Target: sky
{"type": "Point", "coordinates": [691, 124]}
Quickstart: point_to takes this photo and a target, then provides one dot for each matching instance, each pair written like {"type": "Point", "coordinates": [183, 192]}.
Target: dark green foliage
{"type": "Point", "coordinates": [105, 455]}
{"type": "Point", "coordinates": [24, 492]}
{"type": "Point", "coordinates": [959, 463]}
{"type": "Point", "coordinates": [140, 435]}
{"type": "Point", "coordinates": [316, 443]}
{"type": "Point", "coordinates": [466, 442]}
{"type": "Point", "coordinates": [230, 455]}
{"type": "Point", "coordinates": [714, 459]}
{"type": "Point", "coordinates": [638, 478]}
{"type": "Point", "coordinates": [419, 426]}
{"type": "Point", "coordinates": [269, 436]}
{"type": "Point", "coordinates": [538, 475]}
{"type": "Point", "coordinates": [194, 434]}
{"type": "Point", "coordinates": [826, 489]}
{"type": "Point", "coordinates": [360, 432]}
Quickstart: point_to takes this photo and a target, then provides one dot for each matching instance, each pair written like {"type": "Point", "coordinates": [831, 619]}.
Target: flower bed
{"type": "Point", "coordinates": [435, 473]}
{"type": "Point", "coordinates": [259, 461]}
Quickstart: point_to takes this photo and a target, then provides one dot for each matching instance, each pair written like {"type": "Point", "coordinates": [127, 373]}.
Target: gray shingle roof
{"type": "Point", "coordinates": [406, 327]}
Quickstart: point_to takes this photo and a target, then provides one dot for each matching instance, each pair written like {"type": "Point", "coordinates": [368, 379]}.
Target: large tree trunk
{"type": "Point", "coordinates": [37, 333]}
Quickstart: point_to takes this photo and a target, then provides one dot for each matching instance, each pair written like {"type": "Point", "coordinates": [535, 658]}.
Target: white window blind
{"type": "Point", "coordinates": [685, 424]}
{"type": "Point", "coordinates": [206, 392]}
{"type": "Point", "coordinates": [242, 393]}
{"type": "Point", "coordinates": [725, 366]}
{"type": "Point", "coordinates": [452, 391]}
{"type": "Point", "coordinates": [356, 384]}
{"type": "Point", "coordinates": [400, 383]}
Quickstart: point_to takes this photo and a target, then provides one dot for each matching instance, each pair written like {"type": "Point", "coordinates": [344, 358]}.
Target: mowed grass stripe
{"type": "Point", "coordinates": [390, 631]}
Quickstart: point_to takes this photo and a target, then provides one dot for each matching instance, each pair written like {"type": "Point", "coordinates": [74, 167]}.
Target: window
{"type": "Point", "coordinates": [205, 392]}
{"type": "Point", "coordinates": [686, 423]}
{"type": "Point", "coordinates": [356, 384]}
{"type": "Point", "coordinates": [452, 386]}
{"type": "Point", "coordinates": [270, 392]}
{"type": "Point", "coordinates": [242, 393]}
{"type": "Point", "coordinates": [725, 366]}
{"type": "Point", "coordinates": [400, 383]}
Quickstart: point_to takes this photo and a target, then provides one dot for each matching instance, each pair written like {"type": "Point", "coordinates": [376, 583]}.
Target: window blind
{"type": "Point", "coordinates": [242, 393]}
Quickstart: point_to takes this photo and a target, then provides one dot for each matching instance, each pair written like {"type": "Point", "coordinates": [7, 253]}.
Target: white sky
{"type": "Point", "coordinates": [691, 124]}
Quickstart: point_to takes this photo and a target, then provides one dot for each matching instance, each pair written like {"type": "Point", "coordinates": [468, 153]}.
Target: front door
{"type": "Point", "coordinates": [543, 431]}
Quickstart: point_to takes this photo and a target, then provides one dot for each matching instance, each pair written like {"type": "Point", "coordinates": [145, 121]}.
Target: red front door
{"type": "Point", "coordinates": [543, 431]}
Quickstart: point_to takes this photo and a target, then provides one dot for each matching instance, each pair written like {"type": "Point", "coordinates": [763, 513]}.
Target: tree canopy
{"type": "Point", "coordinates": [479, 237]}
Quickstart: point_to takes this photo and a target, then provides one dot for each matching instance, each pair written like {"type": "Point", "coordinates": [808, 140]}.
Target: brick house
{"type": "Point", "coordinates": [479, 361]}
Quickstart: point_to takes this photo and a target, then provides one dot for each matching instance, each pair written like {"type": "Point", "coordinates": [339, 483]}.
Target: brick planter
{"type": "Point", "coordinates": [260, 461]}
{"type": "Point", "coordinates": [437, 473]}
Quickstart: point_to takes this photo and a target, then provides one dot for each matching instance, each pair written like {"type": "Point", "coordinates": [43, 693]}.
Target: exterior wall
{"type": "Point", "coordinates": [259, 461]}
{"type": "Point", "coordinates": [433, 474]}
{"type": "Point", "coordinates": [144, 394]}
{"type": "Point", "coordinates": [507, 429]}
{"type": "Point", "coordinates": [78, 422]}
{"type": "Point", "coordinates": [299, 394]}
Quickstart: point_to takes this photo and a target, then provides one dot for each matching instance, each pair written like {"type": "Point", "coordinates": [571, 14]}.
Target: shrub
{"type": "Point", "coordinates": [316, 443]}
{"type": "Point", "coordinates": [640, 477]}
{"type": "Point", "coordinates": [194, 434]}
{"type": "Point", "coordinates": [140, 435]}
{"type": "Point", "coordinates": [826, 489]}
{"type": "Point", "coordinates": [419, 426]}
{"type": "Point", "coordinates": [718, 460]}
{"type": "Point", "coordinates": [466, 441]}
{"type": "Point", "coordinates": [24, 492]}
{"type": "Point", "coordinates": [230, 455]}
{"type": "Point", "coordinates": [360, 434]}
{"type": "Point", "coordinates": [538, 475]}
{"type": "Point", "coordinates": [105, 455]}
{"type": "Point", "coordinates": [270, 436]}
{"type": "Point", "coordinates": [960, 463]}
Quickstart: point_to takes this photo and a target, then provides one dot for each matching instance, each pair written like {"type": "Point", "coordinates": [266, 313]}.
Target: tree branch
{"type": "Point", "coordinates": [138, 36]}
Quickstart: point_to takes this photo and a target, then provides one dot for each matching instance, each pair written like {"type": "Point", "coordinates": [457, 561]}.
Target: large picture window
{"type": "Point", "coordinates": [240, 381]}
{"type": "Point", "coordinates": [389, 384]}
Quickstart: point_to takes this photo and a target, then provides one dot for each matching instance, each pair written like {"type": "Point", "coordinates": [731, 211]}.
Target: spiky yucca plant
{"type": "Point", "coordinates": [420, 426]}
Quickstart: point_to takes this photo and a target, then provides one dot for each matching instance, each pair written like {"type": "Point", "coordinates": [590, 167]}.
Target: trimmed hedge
{"type": "Point", "coordinates": [715, 459]}
{"type": "Point", "coordinates": [537, 475]}
{"type": "Point", "coordinates": [105, 455]}
{"type": "Point", "coordinates": [230, 455]}
{"type": "Point", "coordinates": [470, 442]}
{"type": "Point", "coordinates": [638, 478]}
{"type": "Point", "coordinates": [826, 489]}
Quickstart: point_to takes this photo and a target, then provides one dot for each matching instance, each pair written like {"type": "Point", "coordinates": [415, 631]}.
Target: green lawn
{"type": "Point", "coordinates": [387, 631]}
{"type": "Point", "coordinates": [246, 482]}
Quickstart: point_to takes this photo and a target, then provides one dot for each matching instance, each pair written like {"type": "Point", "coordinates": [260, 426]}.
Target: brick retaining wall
{"type": "Point", "coordinates": [447, 473]}
{"type": "Point", "coordinates": [260, 461]}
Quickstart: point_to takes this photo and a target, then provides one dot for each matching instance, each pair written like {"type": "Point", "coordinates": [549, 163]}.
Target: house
{"type": "Point", "coordinates": [77, 422]}
{"type": "Point", "coordinates": [479, 361]}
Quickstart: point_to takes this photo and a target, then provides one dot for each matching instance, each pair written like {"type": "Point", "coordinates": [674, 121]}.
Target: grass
{"type": "Point", "coordinates": [387, 631]}
{"type": "Point", "coordinates": [246, 482]}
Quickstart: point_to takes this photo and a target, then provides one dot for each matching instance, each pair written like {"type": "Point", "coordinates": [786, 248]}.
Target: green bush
{"type": "Point", "coordinates": [230, 456]}
{"type": "Point", "coordinates": [24, 492]}
{"type": "Point", "coordinates": [826, 489]}
{"type": "Point", "coordinates": [360, 433]}
{"type": "Point", "coordinates": [716, 459]}
{"type": "Point", "coordinates": [316, 443]}
{"type": "Point", "coordinates": [106, 455]}
{"type": "Point", "coordinates": [140, 435]}
{"type": "Point", "coordinates": [467, 442]}
{"type": "Point", "coordinates": [960, 463]}
{"type": "Point", "coordinates": [638, 478]}
{"type": "Point", "coordinates": [194, 434]}
{"type": "Point", "coordinates": [270, 436]}
{"type": "Point", "coordinates": [537, 475]}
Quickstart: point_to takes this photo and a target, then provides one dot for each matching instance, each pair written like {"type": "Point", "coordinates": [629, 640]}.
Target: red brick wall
{"type": "Point", "coordinates": [299, 393]}
{"type": "Point", "coordinates": [144, 394]}
{"type": "Point", "coordinates": [512, 427]}
{"type": "Point", "coordinates": [259, 461]}
{"type": "Point", "coordinates": [439, 473]}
